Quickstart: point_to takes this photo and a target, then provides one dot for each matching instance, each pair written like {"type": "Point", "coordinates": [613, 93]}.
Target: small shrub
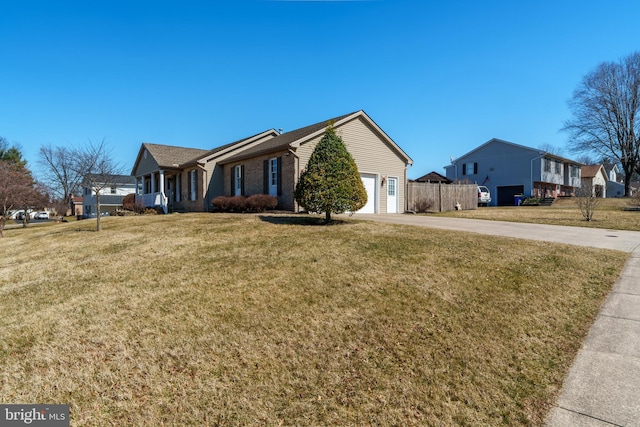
{"type": "Point", "coordinates": [261, 202]}
{"type": "Point", "coordinates": [237, 203]}
{"type": "Point", "coordinates": [530, 201]}
{"type": "Point", "coordinates": [221, 203]}
{"type": "Point", "coordinates": [423, 205]}
{"type": "Point", "coordinates": [253, 203]}
{"type": "Point", "coordinates": [587, 201]}
{"type": "Point", "coordinates": [129, 203]}
{"type": "Point", "coordinates": [230, 204]}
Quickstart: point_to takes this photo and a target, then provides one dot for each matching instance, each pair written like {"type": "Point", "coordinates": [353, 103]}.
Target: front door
{"type": "Point", "coordinates": [392, 195]}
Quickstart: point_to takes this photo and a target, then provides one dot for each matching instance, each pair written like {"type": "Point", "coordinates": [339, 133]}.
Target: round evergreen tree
{"type": "Point", "coordinates": [331, 182]}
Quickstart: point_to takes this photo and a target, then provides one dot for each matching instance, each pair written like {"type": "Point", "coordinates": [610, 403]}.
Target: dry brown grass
{"type": "Point", "coordinates": [609, 214]}
{"type": "Point", "coordinates": [204, 319]}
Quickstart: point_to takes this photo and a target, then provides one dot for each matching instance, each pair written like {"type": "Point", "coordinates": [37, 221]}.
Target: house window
{"type": "Point", "coordinates": [558, 166]}
{"type": "Point", "coordinates": [178, 186]}
{"type": "Point", "coordinates": [272, 176]}
{"type": "Point", "coordinates": [547, 165]}
{"type": "Point", "coordinates": [193, 185]}
{"type": "Point", "coordinates": [113, 189]}
{"type": "Point", "coordinates": [237, 185]}
{"type": "Point", "coordinates": [573, 171]}
{"type": "Point", "coordinates": [391, 187]}
{"type": "Point", "coordinates": [469, 168]}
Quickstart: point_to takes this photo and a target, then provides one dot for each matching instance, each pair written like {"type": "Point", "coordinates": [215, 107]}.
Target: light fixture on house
{"type": "Point", "coordinates": [382, 181]}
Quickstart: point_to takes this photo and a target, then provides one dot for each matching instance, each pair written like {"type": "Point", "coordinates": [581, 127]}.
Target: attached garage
{"type": "Point", "coordinates": [505, 196]}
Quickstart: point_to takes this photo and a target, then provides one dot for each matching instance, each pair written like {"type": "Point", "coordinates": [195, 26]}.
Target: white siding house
{"type": "Point", "coordinates": [594, 178]}
{"type": "Point", "coordinates": [112, 189]}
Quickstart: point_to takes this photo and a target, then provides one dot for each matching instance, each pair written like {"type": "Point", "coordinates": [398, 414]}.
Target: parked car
{"type": "Point", "coordinates": [41, 215]}
{"type": "Point", "coordinates": [484, 196]}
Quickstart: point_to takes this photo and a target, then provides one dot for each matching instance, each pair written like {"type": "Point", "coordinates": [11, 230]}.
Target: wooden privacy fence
{"type": "Point", "coordinates": [441, 197]}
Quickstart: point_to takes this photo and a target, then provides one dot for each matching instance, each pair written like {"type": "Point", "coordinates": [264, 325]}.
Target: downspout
{"type": "Point", "coordinates": [406, 187]}
{"type": "Point", "coordinates": [531, 172]}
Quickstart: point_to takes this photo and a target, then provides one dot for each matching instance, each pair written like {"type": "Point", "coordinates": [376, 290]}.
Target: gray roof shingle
{"type": "Point", "coordinates": [168, 156]}
{"type": "Point", "coordinates": [282, 142]}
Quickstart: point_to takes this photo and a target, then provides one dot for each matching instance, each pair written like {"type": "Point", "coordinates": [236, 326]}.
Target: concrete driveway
{"type": "Point", "coordinates": [603, 384]}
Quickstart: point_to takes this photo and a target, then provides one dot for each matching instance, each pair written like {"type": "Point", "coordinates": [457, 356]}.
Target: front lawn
{"type": "Point", "coordinates": [609, 214]}
{"type": "Point", "coordinates": [216, 319]}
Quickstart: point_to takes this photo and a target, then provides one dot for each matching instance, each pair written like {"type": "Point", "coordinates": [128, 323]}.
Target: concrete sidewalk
{"type": "Point", "coordinates": [603, 384]}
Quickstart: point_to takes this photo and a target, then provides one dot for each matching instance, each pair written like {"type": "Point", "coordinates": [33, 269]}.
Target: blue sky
{"type": "Point", "coordinates": [440, 77]}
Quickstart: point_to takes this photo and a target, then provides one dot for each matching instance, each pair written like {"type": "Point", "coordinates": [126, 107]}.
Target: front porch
{"type": "Point", "coordinates": [158, 190]}
{"type": "Point", "coordinates": [542, 190]}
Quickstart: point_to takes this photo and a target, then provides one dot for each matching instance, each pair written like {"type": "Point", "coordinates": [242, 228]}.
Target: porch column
{"type": "Point", "coordinates": [153, 183]}
{"type": "Point", "coordinates": [163, 197]}
{"type": "Point", "coordinates": [161, 189]}
{"type": "Point", "coordinates": [143, 186]}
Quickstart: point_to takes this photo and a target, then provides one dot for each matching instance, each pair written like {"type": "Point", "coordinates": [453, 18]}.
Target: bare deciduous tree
{"type": "Point", "coordinates": [59, 172]}
{"type": "Point", "coordinates": [606, 110]}
{"type": "Point", "coordinates": [587, 199]}
{"type": "Point", "coordinates": [95, 165]}
{"type": "Point", "coordinates": [551, 149]}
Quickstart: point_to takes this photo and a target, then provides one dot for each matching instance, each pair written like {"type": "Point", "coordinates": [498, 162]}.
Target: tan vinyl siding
{"type": "Point", "coordinates": [371, 154]}
{"type": "Point", "coordinates": [146, 165]}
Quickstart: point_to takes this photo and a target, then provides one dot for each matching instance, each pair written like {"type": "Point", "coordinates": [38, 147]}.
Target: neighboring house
{"type": "Point", "coordinates": [594, 177]}
{"type": "Point", "coordinates": [271, 163]}
{"type": "Point", "coordinates": [509, 169]}
{"type": "Point", "coordinates": [75, 206]}
{"type": "Point", "coordinates": [434, 177]}
{"type": "Point", "coordinates": [615, 188]}
{"type": "Point", "coordinates": [111, 194]}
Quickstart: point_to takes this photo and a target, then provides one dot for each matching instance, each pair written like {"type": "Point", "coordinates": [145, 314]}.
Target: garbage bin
{"type": "Point", "coordinates": [518, 199]}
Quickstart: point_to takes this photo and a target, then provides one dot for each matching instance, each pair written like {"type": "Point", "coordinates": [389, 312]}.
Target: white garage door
{"type": "Point", "coordinates": [369, 182]}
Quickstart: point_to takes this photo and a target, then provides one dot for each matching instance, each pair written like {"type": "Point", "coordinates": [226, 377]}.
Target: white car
{"type": "Point", "coordinates": [484, 196]}
{"type": "Point", "coordinates": [41, 215]}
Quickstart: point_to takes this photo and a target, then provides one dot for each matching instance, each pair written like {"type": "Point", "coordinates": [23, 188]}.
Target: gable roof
{"type": "Point", "coordinates": [284, 141]}
{"type": "Point", "coordinates": [433, 176]}
{"type": "Point", "coordinates": [168, 156]}
{"type": "Point", "coordinates": [590, 171]}
{"type": "Point", "coordinates": [499, 141]}
{"type": "Point", "coordinates": [295, 138]}
{"type": "Point", "coordinates": [535, 151]}
{"type": "Point", "coordinates": [114, 179]}
{"type": "Point", "coordinates": [213, 153]}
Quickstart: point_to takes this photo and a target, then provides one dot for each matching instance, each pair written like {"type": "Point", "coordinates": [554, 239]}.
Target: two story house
{"type": "Point", "coordinates": [112, 189]}
{"type": "Point", "coordinates": [510, 169]}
